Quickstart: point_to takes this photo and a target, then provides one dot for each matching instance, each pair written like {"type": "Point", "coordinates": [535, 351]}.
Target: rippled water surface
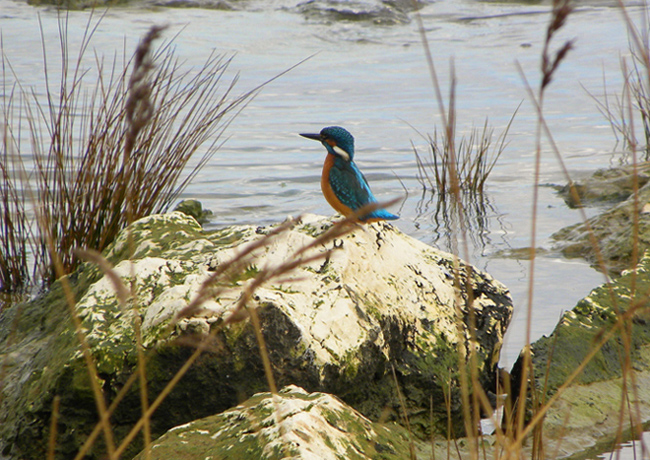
{"type": "Point", "coordinates": [368, 73]}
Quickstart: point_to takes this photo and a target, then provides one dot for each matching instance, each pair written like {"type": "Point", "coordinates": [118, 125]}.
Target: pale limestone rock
{"type": "Point", "coordinates": [381, 311]}
{"type": "Point", "coordinates": [376, 273]}
{"type": "Point", "coordinates": [382, 299]}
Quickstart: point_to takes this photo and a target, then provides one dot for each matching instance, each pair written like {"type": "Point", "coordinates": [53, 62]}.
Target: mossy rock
{"type": "Point", "coordinates": [606, 186]}
{"type": "Point", "coordinates": [195, 209]}
{"type": "Point", "coordinates": [340, 324]}
{"type": "Point", "coordinates": [609, 330]}
{"type": "Point", "coordinates": [617, 231]}
{"type": "Point", "coordinates": [599, 315]}
{"type": "Point", "coordinates": [292, 424]}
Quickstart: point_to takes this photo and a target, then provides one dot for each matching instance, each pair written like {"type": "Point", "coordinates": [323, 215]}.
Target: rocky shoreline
{"type": "Point", "coordinates": [364, 339]}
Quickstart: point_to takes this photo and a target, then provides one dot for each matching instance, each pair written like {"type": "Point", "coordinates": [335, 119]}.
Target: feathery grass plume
{"type": "Point", "coordinates": [99, 138]}
{"type": "Point", "coordinates": [561, 11]}
{"type": "Point", "coordinates": [139, 112]}
{"type": "Point", "coordinates": [139, 109]}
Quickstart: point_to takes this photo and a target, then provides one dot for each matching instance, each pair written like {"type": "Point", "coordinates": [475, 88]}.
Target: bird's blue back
{"type": "Point", "coordinates": [351, 187]}
{"type": "Point", "coordinates": [344, 186]}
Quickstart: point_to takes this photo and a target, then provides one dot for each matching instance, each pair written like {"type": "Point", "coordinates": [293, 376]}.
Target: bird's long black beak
{"type": "Point", "coordinates": [315, 137]}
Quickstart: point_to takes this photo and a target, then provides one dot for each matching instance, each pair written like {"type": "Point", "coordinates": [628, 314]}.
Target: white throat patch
{"type": "Point", "coordinates": [342, 153]}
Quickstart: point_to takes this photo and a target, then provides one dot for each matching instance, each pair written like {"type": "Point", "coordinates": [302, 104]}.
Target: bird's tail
{"type": "Point", "coordinates": [379, 214]}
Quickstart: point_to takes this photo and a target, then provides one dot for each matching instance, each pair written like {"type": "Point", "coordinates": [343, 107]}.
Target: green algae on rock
{"type": "Point", "coordinates": [580, 329]}
{"type": "Point", "coordinates": [615, 232]}
{"type": "Point", "coordinates": [606, 186]}
{"type": "Point", "coordinates": [291, 424]}
{"type": "Point", "coordinates": [195, 209]}
{"type": "Point", "coordinates": [588, 413]}
{"type": "Point", "coordinates": [382, 300]}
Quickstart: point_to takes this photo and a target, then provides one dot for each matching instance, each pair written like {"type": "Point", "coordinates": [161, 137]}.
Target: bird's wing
{"type": "Point", "coordinates": [350, 186]}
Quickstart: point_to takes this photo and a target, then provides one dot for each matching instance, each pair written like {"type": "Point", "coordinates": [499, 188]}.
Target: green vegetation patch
{"type": "Point", "coordinates": [611, 316]}
{"type": "Point", "coordinates": [39, 347]}
{"type": "Point", "coordinates": [274, 428]}
{"type": "Point", "coordinates": [170, 236]}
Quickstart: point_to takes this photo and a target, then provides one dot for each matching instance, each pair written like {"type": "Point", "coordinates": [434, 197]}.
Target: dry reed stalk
{"type": "Point", "coordinates": [474, 160]}
{"type": "Point", "coordinates": [85, 348]}
{"type": "Point", "coordinates": [457, 169]}
{"type": "Point", "coordinates": [51, 445]}
{"type": "Point", "coordinates": [467, 382]}
{"type": "Point", "coordinates": [640, 49]}
{"type": "Point", "coordinates": [603, 337]}
{"type": "Point", "coordinates": [92, 437]}
{"type": "Point", "coordinates": [549, 64]}
{"type": "Point", "coordinates": [139, 113]}
{"type": "Point", "coordinates": [404, 415]}
{"type": "Point", "coordinates": [634, 98]}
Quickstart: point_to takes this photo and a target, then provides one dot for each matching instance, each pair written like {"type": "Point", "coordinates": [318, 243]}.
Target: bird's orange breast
{"type": "Point", "coordinates": [326, 187]}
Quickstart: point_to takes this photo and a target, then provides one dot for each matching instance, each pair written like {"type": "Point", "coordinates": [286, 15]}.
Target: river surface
{"type": "Point", "coordinates": [368, 73]}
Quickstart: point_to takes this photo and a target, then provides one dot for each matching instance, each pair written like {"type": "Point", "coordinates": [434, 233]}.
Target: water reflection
{"type": "Point", "coordinates": [452, 218]}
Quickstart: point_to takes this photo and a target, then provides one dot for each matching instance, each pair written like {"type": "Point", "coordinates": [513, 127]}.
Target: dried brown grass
{"type": "Point", "coordinates": [473, 160]}
{"type": "Point", "coordinates": [105, 151]}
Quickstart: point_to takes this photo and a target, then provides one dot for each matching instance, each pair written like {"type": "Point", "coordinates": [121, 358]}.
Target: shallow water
{"type": "Point", "coordinates": [368, 73]}
{"type": "Point", "coordinates": [630, 450]}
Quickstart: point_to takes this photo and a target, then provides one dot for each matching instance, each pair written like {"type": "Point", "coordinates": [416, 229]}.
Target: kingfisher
{"type": "Point", "coordinates": [344, 186]}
